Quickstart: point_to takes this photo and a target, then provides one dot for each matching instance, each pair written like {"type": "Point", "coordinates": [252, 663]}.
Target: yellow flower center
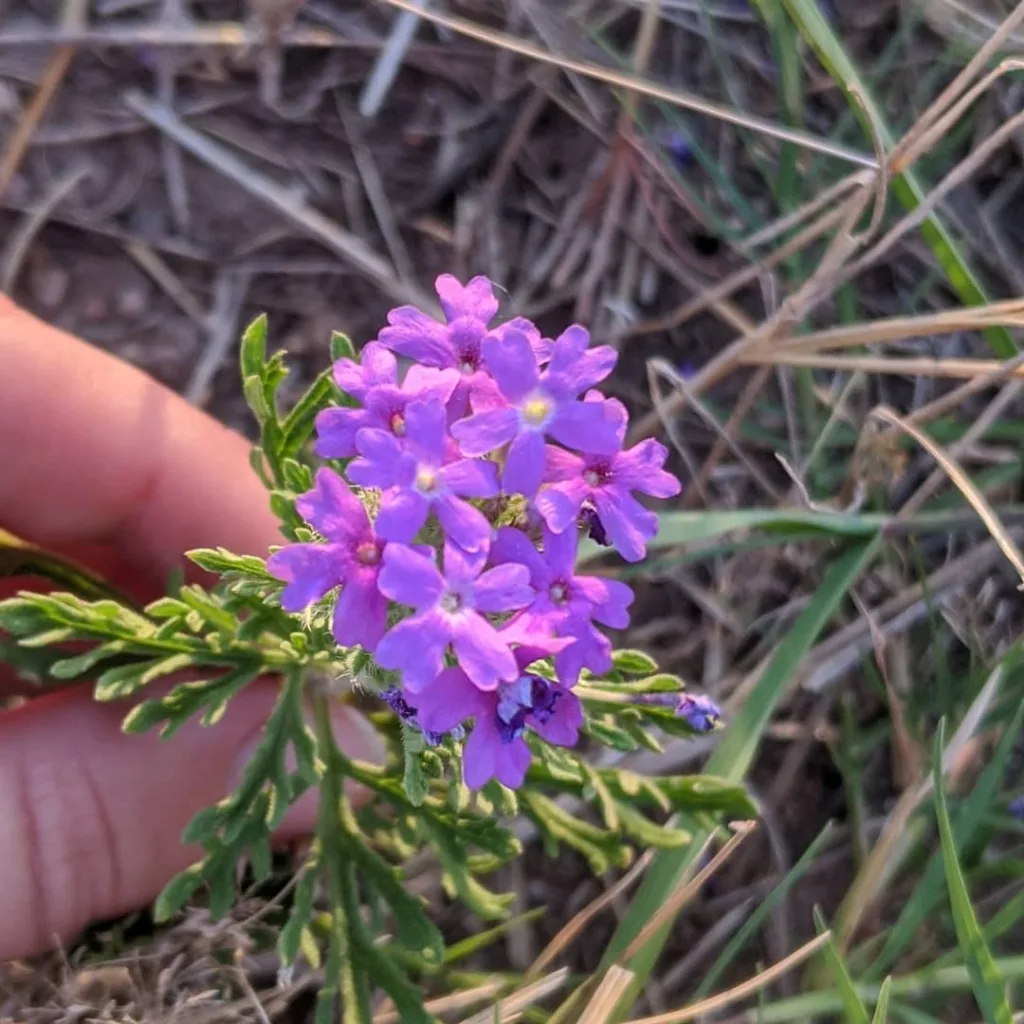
{"type": "Point", "coordinates": [536, 410]}
{"type": "Point", "coordinates": [426, 481]}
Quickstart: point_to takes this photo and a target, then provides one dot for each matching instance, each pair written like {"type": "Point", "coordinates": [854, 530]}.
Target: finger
{"type": "Point", "coordinates": [94, 451]}
{"type": "Point", "coordinates": [91, 819]}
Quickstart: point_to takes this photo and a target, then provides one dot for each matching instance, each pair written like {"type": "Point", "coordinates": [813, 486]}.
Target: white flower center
{"type": "Point", "coordinates": [451, 602]}
{"type": "Point", "coordinates": [537, 409]}
{"type": "Point", "coordinates": [426, 480]}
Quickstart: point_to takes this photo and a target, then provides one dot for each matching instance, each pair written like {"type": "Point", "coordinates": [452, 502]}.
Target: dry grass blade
{"type": "Point", "coordinates": [689, 887]}
{"type": "Point", "coordinates": [448, 1004]}
{"type": "Point", "coordinates": [641, 86]}
{"type": "Point", "coordinates": [612, 988]}
{"type": "Point", "coordinates": [158, 269]}
{"type": "Point", "coordinates": [922, 366]}
{"type": "Point", "coordinates": [512, 1006]}
{"type": "Point", "coordinates": [571, 930]}
{"type": "Point", "coordinates": [760, 981]}
{"type": "Point", "coordinates": [966, 486]}
{"type": "Point", "coordinates": [75, 14]}
{"type": "Point", "coordinates": [349, 246]}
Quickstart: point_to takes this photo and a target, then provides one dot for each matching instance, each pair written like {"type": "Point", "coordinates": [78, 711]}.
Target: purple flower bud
{"type": "Point", "coordinates": [395, 699]}
{"type": "Point", "coordinates": [591, 521]}
{"type": "Point", "coordinates": [700, 712]}
{"type": "Point", "coordinates": [1016, 808]}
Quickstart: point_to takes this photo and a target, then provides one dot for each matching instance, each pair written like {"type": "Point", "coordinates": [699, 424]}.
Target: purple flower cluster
{"type": "Point", "coordinates": [489, 425]}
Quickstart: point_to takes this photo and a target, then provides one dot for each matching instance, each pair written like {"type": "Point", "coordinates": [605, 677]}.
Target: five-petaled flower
{"type": "Point", "coordinates": [565, 605]}
{"type": "Point", "coordinates": [496, 747]}
{"type": "Point", "coordinates": [606, 483]}
{"type": "Point", "coordinates": [374, 383]}
{"type": "Point", "coordinates": [350, 558]}
{"type": "Point", "coordinates": [541, 404]}
{"type": "Point", "coordinates": [450, 610]}
{"type": "Point", "coordinates": [415, 477]}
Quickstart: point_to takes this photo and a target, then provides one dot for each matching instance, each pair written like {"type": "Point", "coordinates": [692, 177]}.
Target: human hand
{"type": "Point", "coordinates": [100, 463]}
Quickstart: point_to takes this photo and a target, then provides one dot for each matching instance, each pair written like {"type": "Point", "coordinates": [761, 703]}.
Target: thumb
{"type": "Point", "coordinates": [91, 818]}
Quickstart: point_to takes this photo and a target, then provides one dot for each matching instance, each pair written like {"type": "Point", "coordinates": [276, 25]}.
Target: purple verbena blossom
{"type": "Point", "coordinates": [542, 404]}
{"type": "Point", "coordinates": [455, 344]}
{"type": "Point", "coordinates": [607, 483]}
{"type": "Point", "coordinates": [408, 715]}
{"type": "Point", "coordinates": [415, 477]}
{"type": "Point", "coordinates": [449, 610]}
{"type": "Point", "coordinates": [350, 558]}
{"type": "Point", "coordinates": [497, 748]}
{"type": "Point", "coordinates": [384, 401]}
{"type": "Point", "coordinates": [699, 711]}
{"type": "Point", "coordinates": [565, 605]}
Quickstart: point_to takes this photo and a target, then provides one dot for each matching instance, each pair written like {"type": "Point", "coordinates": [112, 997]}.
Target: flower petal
{"type": "Point", "coordinates": [428, 382]}
{"type": "Point", "coordinates": [563, 726]}
{"type": "Point", "coordinates": [560, 505]}
{"type": "Point", "coordinates": [513, 763]}
{"type": "Point", "coordinates": [482, 653]}
{"type": "Point", "coordinates": [332, 509]}
{"type": "Point", "coordinates": [640, 469]}
{"type": "Point", "coordinates": [361, 612]}
{"type": "Point", "coordinates": [414, 334]}
{"type": "Point", "coordinates": [465, 525]}
{"type": "Point", "coordinates": [471, 478]}
{"type": "Point", "coordinates": [426, 425]}
{"type": "Point", "coordinates": [609, 599]}
{"type": "Point", "coordinates": [486, 431]}
{"type": "Point", "coordinates": [628, 524]}
{"type": "Point", "coordinates": [524, 464]}
{"type": "Point", "coordinates": [450, 699]}
{"type": "Point", "coordinates": [481, 754]}
{"type": "Point", "coordinates": [336, 432]}
{"type": "Point", "coordinates": [587, 426]}
{"type": "Point", "coordinates": [511, 545]}
{"type": "Point", "coordinates": [310, 570]}
{"type": "Point", "coordinates": [512, 363]}
{"type": "Point", "coordinates": [409, 577]}
{"type": "Point", "coordinates": [575, 366]}
{"type": "Point", "coordinates": [402, 515]}
{"type": "Point", "coordinates": [503, 589]}
{"type": "Point", "coordinates": [474, 299]}
{"type": "Point", "coordinates": [376, 366]}
{"type": "Point", "coordinates": [415, 647]}
{"type": "Point", "coordinates": [560, 552]}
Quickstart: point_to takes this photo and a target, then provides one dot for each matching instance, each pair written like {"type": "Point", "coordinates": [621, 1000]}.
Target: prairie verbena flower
{"type": "Point", "coordinates": [496, 747]}
{"type": "Point", "coordinates": [350, 558]}
{"type": "Point", "coordinates": [492, 424]}
{"type": "Point", "coordinates": [699, 711]}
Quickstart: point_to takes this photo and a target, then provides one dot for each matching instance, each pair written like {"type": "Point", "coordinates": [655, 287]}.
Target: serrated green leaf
{"type": "Point", "coordinates": [650, 833]}
{"type": "Point", "coordinates": [297, 427]}
{"type": "Point", "coordinates": [457, 879]}
{"type": "Point", "coordinates": [290, 937]}
{"type": "Point", "coordinates": [601, 849]}
{"type": "Point", "coordinates": [408, 1000]}
{"type": "Point", "coordinates": [989, 988]}
{"type": "Point", "coordinates": [125, 680]}
{"type": "Point", "coordinates": [48, 638]}
{"type": "Point", "coordinates": [224, 562]}
{"type": "Point", "coordinates": [605, 730]}
{"type": "Point", "coordinates": [415, 784]}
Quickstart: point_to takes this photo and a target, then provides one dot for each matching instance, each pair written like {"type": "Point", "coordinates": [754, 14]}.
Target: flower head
{"type": "Point", "coordinates": [606, 483]}
{"type": "Point", "coordinates": [542, 404]}
{"type": "Point", "coordinates": [497, 747]}
{"type": "Point", "coordinates": [450, 609]}
{"type": "Point", "coordinates": [416, 477]}
{"type": "Point", "coordinates": [350, 558]}
{"type": "Point", "coordinates": [565, 605]}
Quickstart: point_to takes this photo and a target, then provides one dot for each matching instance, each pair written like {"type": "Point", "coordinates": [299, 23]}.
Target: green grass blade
{"type": "Point", "coordinates": [734, 755]}
{"type": "Point", "coordinates": [989, 987]}
{"type": "Point", "coordinates": [881, 1015]}
{"type": "Point", "coordinates": [760, 914]}
{"type": "Point", "coordinates": [929, 889]}
{"type": "Point", "coordinates": [853, 1009]}
{"type": "Point", "coordinates": [906, 186]}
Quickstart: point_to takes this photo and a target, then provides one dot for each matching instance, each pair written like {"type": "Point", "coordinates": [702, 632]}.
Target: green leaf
{"type": "Point", "coordinates": [125, 680]}
{"type": "Point", "coordinates": [930, 888]}
{"type": "Point", "coordinates": [177, 892]}
{"type": "Point", "coordinates": [881, 1015]}
{"type": "Point", "coordinates": [297, 427]}
{"type": "Point", "coordinates": [989, 988]}
{"type": "Point", "coordinates": [602, 850]}
{"type": "Point", "coordinates": [227, 563]}
{"type": "Point", "coordinates": [416, 786]}
{"type": "Point", "coordinates": [734, 755]}
{"type": "Point", "coordinates": [633, 663]}
{"type": "Point", "coordinates": [853, 1009]}
{"type": "Point", "coordinates": [253, 352]}
{"type": "Point", "coordinates": [341, 347]}
{"type": "Point", "coordinates": [408, 1000]}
